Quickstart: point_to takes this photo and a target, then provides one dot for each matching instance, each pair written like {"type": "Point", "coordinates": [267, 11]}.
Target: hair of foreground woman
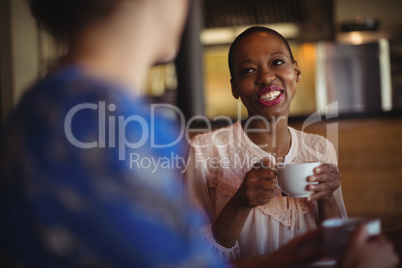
{"type": "Point", "coordinates": [63, 18]}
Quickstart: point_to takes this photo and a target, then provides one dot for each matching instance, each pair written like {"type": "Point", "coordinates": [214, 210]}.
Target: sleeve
{"type": "Point", "coordinates": [197, 188]}
{"type": "Point", "coordinates": [332, 159]}
{"type": "Point", "coordinates": [196, 182]}
{"type": "Point", "coordinates": [225, 254]}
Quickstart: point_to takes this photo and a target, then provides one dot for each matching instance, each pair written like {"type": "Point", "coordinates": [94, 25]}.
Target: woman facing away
{"type": "Point", "coordinates": [70, 194]}
{"type": "Point", "coordinates": [248, 215]}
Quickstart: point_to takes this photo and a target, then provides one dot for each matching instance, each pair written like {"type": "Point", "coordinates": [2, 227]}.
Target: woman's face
{"type": "Point", "coordinates": [264, 76]}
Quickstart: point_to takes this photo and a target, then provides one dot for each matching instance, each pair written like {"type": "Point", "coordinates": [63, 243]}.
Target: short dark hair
{"type": "Point", "coordinates": [63, 18]}
{"type": "Point", "coordinates": [249, 31]}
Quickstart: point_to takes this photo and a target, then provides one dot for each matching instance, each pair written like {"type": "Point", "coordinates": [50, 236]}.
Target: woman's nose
{"type": "Point", "coordinates": [265, 76]}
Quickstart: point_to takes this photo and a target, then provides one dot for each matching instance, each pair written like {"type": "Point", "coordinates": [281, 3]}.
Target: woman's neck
{"type": "Point", "coordinates": [270, 135]}
{"type": "Point", "coordinates": [108, 62]}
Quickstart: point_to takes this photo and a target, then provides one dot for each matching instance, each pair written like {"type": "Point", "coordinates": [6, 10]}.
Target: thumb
{"type": "Point", "coordinates": [360, 235]}
{"type": "Point", "coordinates": [266, 163]}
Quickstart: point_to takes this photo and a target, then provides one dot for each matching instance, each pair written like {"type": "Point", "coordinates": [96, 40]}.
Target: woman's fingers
{"type": "Point", "coordinates": [328, 178]}
{"type": "Point", "coordinates": [258, 185]}
{"type": "Point", "coordinates": [325, 168]}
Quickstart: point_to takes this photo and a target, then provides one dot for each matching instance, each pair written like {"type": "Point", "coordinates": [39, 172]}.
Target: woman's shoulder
{"type": "Point", "coordinates": [307, 137]}
{"type": "Point", "coordinates": [70, 88]}
{"type": "Point", "coordinates": [213, 137]}
{"type": "Point", "coordinates": [312, 147]}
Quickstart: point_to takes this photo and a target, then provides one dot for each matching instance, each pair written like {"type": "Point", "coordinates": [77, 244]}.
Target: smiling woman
{"type": "Point", "coordinates": [248, 216]}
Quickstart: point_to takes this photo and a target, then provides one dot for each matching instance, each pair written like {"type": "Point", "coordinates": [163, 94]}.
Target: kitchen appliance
{"type": "Point", "coordinates": [357, 77]}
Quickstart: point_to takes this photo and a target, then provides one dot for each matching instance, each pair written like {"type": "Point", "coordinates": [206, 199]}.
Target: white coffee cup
{"type": "Point", "coordinates": [338, 230]}
{"type": "Point", "coordinates": [292, 178]}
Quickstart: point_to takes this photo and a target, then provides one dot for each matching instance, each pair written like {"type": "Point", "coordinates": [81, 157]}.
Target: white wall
{"type": "Point", "coordinates": [25, 52]}
{"type": "Point", "coordinates": [25, 45]}
{"type": "Point", "coordinates": [19, 53]}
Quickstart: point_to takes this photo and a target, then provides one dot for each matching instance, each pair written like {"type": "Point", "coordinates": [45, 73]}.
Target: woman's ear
{"type": "Point", "coordinates": [234, 89]}
{"type": "Point", "coordinates": [298, 72]}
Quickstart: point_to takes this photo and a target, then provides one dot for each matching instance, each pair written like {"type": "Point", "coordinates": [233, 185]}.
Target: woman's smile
{"type": "Point", "coordinates": [270, 95]}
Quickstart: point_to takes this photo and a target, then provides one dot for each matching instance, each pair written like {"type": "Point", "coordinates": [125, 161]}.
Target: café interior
{"type": "Point", "coordinates": [350, 53]}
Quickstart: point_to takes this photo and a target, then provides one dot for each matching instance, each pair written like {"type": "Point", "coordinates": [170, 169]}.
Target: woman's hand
{"type": "Point", "coordinates": [328, 178]}
{"type": "Point", "coordinates": [298, 252]}
{"type": "Point", "coordinates": [258, 185]}
{"type": "Point", "coordinates": [256, 189]}
{"type": "Point", "coordinates": [302, 250]}
{"type": "Point", "coordinates": [368, 252]}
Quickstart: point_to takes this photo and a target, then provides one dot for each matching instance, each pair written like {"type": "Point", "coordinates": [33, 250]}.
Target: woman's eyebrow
{"type": "Point", "coordinates": [271, 55]}
{"type": "Point", "coordinates": [245, 61]}
{"type": "Point", "coordinates": [277, 53]}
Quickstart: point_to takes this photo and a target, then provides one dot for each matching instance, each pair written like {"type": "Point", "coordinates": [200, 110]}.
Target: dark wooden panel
{"type": "Point", "coordinates": [370, 162]}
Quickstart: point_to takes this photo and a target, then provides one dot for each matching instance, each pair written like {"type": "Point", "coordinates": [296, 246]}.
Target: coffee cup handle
{"type": "Point", "coordinates": [275, 183]}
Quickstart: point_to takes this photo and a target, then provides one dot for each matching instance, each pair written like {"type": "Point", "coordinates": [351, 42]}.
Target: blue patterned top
{"type": "Point", "coordinates": [90, 177]}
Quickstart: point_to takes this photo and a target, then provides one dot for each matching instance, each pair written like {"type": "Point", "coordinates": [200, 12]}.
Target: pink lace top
{"type": "Point", "coordinates": [218, 162]}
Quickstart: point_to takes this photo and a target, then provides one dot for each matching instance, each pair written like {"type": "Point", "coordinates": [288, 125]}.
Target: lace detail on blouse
{"type": "Point", "coordinates": [289, 213]}
{"type": "Point", "coordinates": [226, 254]}
{"type": "Point", "coordinates": [226, 186]}
{"type": "Point", "coordinates": [286, 210]}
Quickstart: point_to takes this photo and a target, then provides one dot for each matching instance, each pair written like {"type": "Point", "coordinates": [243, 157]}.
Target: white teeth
{"type": "Point", "coordinates": [269, 96]}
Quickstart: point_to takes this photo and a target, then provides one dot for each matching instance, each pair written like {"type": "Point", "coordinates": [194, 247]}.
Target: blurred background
{"type": "Point", "coordinates": [350, 54]}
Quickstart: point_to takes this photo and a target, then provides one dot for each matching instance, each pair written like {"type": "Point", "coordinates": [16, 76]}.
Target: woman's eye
{"type": "Point", "coordinates": [246, 70]}
{"type": "Point", "coordinates": [278, 62]}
